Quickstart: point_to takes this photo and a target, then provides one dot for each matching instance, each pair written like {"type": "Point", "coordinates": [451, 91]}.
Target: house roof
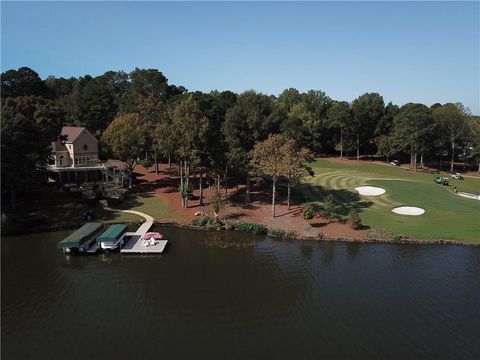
{"type": "Point", "coordinates": [72, 132]}
{"type": "Point", "coordinates": [58, 146]}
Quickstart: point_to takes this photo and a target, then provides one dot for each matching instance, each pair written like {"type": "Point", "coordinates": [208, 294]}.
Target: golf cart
{"type": "Point", "coordinates": [395, 163]}
{"type": "Point", "coordinates": [441, 180]}
{"type": "Point", "coordinates": [457, 176]}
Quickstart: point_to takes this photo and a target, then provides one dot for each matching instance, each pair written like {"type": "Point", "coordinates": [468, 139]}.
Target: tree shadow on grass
{"type": "Point", "coordinates": [345, 200]}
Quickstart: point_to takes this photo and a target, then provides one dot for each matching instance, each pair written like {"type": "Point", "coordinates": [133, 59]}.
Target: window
{"type": "Point", "coordinates": [85, 147]}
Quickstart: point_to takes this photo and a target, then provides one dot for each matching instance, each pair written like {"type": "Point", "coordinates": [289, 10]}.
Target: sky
{"type": "Point", "coordinates": [423, 52]}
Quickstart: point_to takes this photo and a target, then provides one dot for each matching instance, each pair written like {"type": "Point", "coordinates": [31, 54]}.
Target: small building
{"type": "Point", "coordinates": [78, 148]}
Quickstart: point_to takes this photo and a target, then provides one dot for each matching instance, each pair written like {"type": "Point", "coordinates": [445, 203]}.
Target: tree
{"type": "Point", "coordinates": [367, 111]}
{"type": "Point", "coordinates": [296, 124]}
{"type": "Point", "coordinates": [288, 98]}
{"type": "Point", "coordinates": [474, 131]}
{"type": "Point", "coordinates": [22, 82]}
{"type": "Point", "coordinates": [295, 162]}
{"type": "Point", "coordinates": [29, 125]}
{"type": "Point", "coordinates": [216, 202]}
{"type": "Point", "coordinates": [385, 146]}
{"type": "Point", "coordinates": [187, 124]}
{"type": "Point", "coordinates": [127, 136]}
{"type": "Point", "coordinates": [246, 122]}
{"type": "Point", "coordinates": [413, 129]}
{"type": "Point", "coordinates": [144, 83]}
{"type": "Point", "coordinates": [339, 117]}
{"type": "Point", "coordinates": [452, 122]}
{"type": "Point", "coordinates": [319, 133]}
{"type": "Point", "coordinates": [268, 160]}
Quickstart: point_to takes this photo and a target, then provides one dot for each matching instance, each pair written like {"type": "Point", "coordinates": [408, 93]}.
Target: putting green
{"type": "Point", "coordinates": [447, 216]}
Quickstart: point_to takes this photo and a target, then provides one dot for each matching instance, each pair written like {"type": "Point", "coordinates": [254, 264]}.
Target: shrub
{"type": "Point", "coordinates": [329, 206]}
{"type": "Point", "coordinates": [280, 233]}
{"type": "Point", "coordinates": [308, 212]}
{"type": "Point", "coordinates": [354, 220]}
{"type": "Point", "coordinates": [185, 191]}
{"type": "Point", "coordinates": [251, 228]}
{"type": "Point", "coordinates": [216, 202]}
{"type": "Point", "coordinates": [228, 225]}
{"type": "Point", "coordinates": [200, 221]}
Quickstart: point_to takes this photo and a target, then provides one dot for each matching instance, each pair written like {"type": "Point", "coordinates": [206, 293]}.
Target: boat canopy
{"type": "Point", "coordinates": [113, 233]}
{"type": "Point", "coordinates": [80, 236]}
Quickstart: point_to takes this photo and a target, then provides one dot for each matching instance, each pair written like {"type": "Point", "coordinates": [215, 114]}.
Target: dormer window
{"type": "Point", "coordinates": [85, 147]}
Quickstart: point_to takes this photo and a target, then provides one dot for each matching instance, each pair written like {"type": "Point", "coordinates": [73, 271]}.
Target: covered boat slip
{"type": "Point", "coordinates": [112, 234]}
{"type": "Point", "coordinates": [81, 238]}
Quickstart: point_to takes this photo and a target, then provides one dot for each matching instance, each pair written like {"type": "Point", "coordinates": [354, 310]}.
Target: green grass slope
{"type": "Point", "coordinates": [448, 216]}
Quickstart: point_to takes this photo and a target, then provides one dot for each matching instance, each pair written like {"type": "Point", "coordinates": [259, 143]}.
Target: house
{"type": "Point", "coordinates": [79, 149]}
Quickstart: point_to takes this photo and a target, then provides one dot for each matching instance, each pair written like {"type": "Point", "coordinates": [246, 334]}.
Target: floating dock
{"type": "Point", "coordinates": [83, 240]}
{"type": "Point", "coordinates": [135, 246]}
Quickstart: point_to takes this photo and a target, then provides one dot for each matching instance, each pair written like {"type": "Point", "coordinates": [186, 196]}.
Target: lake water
{"type": "Point", "coordinates": [208, 299]}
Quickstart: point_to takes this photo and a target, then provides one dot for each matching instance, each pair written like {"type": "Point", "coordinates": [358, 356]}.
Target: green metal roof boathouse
{"type": "Point", "coordinates": [112, 239]}
{"type": "Point", "coordinates": [113, 233]}
{"type": "Point", "coordinates": [80, 239]}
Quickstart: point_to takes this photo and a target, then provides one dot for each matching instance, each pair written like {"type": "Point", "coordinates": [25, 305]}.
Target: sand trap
{"type": "Point", "coordinates": [469, 196]}
{"type": "Point", "coordinates": [370, 190]}
{"type": "Point", "coordinates": [408, 210]}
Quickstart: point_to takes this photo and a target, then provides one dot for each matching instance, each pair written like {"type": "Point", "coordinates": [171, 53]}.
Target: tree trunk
{"type": "Point", "coordinates": [415, 161]}
{"type": "Point", "coordinates": [200, 181]}
{"type": "Point", "coordinates": [273, 198]}
{"type": "Point", "coordinates": [341, 145]}
{"type": "Point", "coordinates": [421, 161]}
{"type": "Point", "coordinates": [181, 181]}
{"type": "Point", "coordinates": [130, 168]}
{"type": "Point", "coordinates": [169, 163]}
{"type": "Point", "coordinates": [218, 182]}
{"type": "Point", "coordinates": [225, 183]}
{"type": "Point", "coordinates": [358, 146]}
{"type": "Point", "coordinates": [247, 197]}
{"type": "Point", "coordinates": [288, 193]}
{"type": "Point", "coordinates": [156, 162]}
{"type": "Point", "coordinates": [453, 156]}
{"type": "Point", "coordinates": [478, 168]}
{"type": "Point", "coordinates": [186, 182]}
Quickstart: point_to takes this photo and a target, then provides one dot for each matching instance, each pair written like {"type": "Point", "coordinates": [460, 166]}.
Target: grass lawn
{"type": "Point", "coordinates": [447, 216]}
{"type": "Point", "coordinates": [63, 209]}
{"type": "Point", "coordinates": [146, 203]}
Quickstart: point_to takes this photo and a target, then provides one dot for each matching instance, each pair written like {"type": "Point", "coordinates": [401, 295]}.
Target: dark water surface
{"type": "Point", "coordinates": [272, 299]}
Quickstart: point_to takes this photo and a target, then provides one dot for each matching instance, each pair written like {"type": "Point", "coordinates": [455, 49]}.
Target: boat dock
{"type": "Point", "coordinates": [83, 239]}
{"type": "Point", "coordinates": [134, 245]}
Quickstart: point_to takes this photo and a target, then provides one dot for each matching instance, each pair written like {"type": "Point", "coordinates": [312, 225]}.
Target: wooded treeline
{"type": "Point", "coordinates": [138, 116]}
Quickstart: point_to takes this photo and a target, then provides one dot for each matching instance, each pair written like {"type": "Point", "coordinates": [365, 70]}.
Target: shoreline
{"type": "Point", "coordinates": [323, 237]}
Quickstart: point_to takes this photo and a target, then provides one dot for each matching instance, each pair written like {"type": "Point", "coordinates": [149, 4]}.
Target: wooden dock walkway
{"type": "Point", "coordinates": [134, 245]}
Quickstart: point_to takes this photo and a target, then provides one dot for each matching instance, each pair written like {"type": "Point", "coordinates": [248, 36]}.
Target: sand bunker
{"type": "Point", "coordinates": [408, 210]}
{"type": "Point", "coordinates": [370, 190]}
{"type": "Point", "coordinates": [469, 196]}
